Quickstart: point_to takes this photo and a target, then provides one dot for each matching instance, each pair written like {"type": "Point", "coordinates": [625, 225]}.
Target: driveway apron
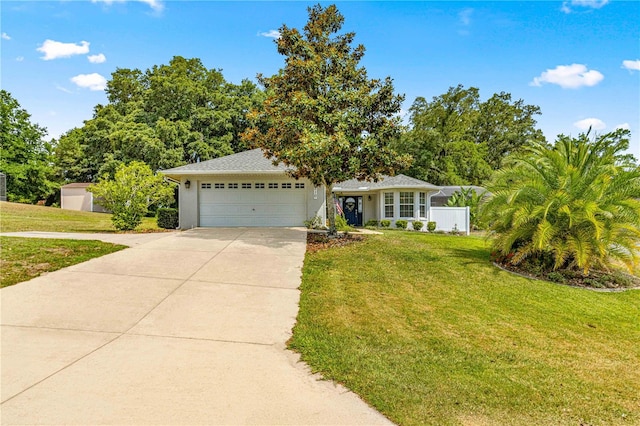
{"type": "Point", "coordinates": [189, 328]}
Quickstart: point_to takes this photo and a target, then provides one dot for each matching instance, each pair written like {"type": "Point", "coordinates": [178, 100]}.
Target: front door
{"type": "Point", "coordinates": [352, 207]}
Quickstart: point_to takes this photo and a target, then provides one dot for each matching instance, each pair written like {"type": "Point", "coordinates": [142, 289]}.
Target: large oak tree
{"type": "Point", "coordinates": [324, 117]}
{"type": "Point", "coordinates": [457, 139]}
{"type": "Point", "coordinates": [166, 116]}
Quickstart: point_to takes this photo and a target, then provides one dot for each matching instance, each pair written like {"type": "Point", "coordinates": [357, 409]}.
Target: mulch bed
{"type": "Point", "coordinates": [606, 281]}
{"type": "Point", "coordinates": [317, 242]}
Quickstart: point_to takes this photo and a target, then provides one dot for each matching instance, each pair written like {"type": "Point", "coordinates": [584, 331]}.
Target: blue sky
{"type": "Point", "coordinates": [579, 60]}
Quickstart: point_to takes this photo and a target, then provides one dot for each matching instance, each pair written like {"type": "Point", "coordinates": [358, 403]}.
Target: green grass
{"type": "Point", "coordinates": [22, 259]}
{"type": "Point", "coordinates": [427, 331]}
{"type": "Point", "coordinates": [26, 217]}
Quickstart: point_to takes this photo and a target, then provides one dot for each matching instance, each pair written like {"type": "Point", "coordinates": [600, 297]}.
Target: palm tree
{"type": "Point", "coordinates": [574, 205]}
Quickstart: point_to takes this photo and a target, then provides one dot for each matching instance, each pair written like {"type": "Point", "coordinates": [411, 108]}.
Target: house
{"type": "Point", "coordinates": [74, 196]}
{"type": "Point", "coordinates": [246, 189]}
{"type": "Point", "coordinates": [441, 198]}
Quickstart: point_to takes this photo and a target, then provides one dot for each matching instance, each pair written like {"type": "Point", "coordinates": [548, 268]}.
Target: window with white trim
{"type": "Point", "coordinates": [259, 186]}
{"type": "Point", "coordinates": [273, 186]}
{"type": "Point", "coordinates": [286, 186]}
{"type": "Point", "coordinates": [233, 186]}
{"type": "Point", "coordinates": [205, 185]}
{"type": "Point", "coordinates": [246, 186]}
{"type": "Point", "coordinates": [299, 185]}
{"type": "Point", "coordinates": [388, 204]}
{"type": "Point", "coordinates": [218, 185]}
{"type": "Point", "coordinates": [423, 204]}
{"type": "Point", "coordinates": [406, 204]}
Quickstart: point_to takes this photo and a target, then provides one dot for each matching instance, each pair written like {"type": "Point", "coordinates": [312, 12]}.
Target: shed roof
{"type": "Point", "coordinates": [76, 185]}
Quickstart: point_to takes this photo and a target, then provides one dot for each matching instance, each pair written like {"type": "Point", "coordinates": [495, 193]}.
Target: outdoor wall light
{"type": "Point", "coordinates": [369, 197]}
{"type": "Point", "coordinates": [187, 184]}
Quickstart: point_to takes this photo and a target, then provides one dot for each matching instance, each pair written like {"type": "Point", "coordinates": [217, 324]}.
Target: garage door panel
{"type": "Point", "coordinates": [251, 207]}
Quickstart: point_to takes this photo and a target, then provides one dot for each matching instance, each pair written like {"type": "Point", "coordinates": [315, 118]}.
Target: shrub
{"type": "Point", "coordinates": [313, 223]}
{"type": "Point", "coordinates": [431, 226]}
{"type": "Point", "coordinates": [168, 218]}
{"type": "Point", "coordinates": [371, 222]}
{"type": "Point", "coordinates": [402, 224]}
{"type": "Point", "coordinates": [130, 193]}
{"type": "Point", "coordinates": [575, 202]}
{"type": "Point", "coordinates": [342, 225]}
{"type": "Point", "coordinates": [385, 223]}
{"type": "Point", "coordinates": [417, 225]}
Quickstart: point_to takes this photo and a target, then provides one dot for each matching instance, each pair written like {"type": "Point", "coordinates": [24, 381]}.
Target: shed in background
{"type": "Point", "coordinates": [74, 196]}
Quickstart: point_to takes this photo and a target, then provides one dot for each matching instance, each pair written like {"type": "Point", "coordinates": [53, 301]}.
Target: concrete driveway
{"type": "Point", "coordinates": [189, 328]}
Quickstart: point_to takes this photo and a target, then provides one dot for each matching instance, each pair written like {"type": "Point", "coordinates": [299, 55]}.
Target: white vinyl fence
{"type": "Point", "coordinates": [448, 218]}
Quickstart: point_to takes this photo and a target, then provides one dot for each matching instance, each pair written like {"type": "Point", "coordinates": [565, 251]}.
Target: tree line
{"type": "Point", "coordinates": [183, 112]}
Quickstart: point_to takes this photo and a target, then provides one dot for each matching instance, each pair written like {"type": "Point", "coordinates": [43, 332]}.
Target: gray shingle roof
{"type": "Point", "coordinates": [243, 162]}
{"type": "Point", "coordinates": [447, 191]}
{"type": "Point", "coordinates": [387, 182]}
{"type": "Point", "coordinates": [254, 162]}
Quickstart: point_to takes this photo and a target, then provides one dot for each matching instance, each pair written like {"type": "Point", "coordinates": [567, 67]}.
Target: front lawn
{"type": "Point", "coordinates": [427, 331]}
{"type": "Point", "coordinates": [22, 259]}
{"type": "Point", "coordinates": [26, 217]}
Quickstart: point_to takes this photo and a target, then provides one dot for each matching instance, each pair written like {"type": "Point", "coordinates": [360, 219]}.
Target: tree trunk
{"type": "Point", "coordinates": [331, 210]}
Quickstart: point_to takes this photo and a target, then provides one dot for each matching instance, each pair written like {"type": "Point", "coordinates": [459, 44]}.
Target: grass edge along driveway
{"type": "Point", "coordinates": [22, 259]}
{"type": "Point", "coordinates": [427, 331]}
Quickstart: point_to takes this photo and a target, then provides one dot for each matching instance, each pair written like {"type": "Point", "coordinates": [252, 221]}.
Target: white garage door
{"type": "Point", "coordinates": [252, 203]}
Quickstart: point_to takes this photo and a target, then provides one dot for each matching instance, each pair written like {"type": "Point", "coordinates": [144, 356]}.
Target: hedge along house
{"type": "Point", "coordinates": [246, 189]}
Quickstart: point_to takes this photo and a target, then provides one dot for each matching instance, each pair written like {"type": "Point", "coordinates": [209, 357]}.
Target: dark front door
{"type": "Point", "coordinates": [352, 207]}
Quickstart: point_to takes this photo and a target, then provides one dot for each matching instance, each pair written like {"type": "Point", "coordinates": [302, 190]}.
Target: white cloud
{"type": "Point", "coordinates": [20, 59]}
{"type": "Point", "coordinates": [569, 77]}
{"type": "Point", "coordinates": [63, 89]}
{"type": "Point", "coordinates": [631, 65]}
{"type": "Point", "coordinates": [156, 5]}
{"type": "Point", "coordinates": [5, 36]}
{"type": "Point", "coordinates": [270, 33]}
{"type": "Point", "coordinates": [625, 126]}
{"type": "Point", "coordinates": [594, 4]}
{"type": "Point", "coordinates": [93, 81]}
{"type": "Point", "coordinates": [55, 49]}
{"type": "Point", "coordinates": [97, 59]}
{"type": "Point", "coordinates": [591, 4]}
{"type": "Point", "coordinates": [593, 123]}
{"type": "Point", "coordinates": [465, 16]}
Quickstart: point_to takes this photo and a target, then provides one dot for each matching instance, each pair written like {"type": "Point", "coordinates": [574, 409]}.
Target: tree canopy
{"type": "Point", "coordinates": [167, 116]}
{"type": "Point", "coordinates": [456, 139]}
{"type": "Point", "coordinates": [574, 205]}
{"type": "Point", "coordinates": [323, 115]}
{"type": "Point", "coordinates": [25, 157]}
